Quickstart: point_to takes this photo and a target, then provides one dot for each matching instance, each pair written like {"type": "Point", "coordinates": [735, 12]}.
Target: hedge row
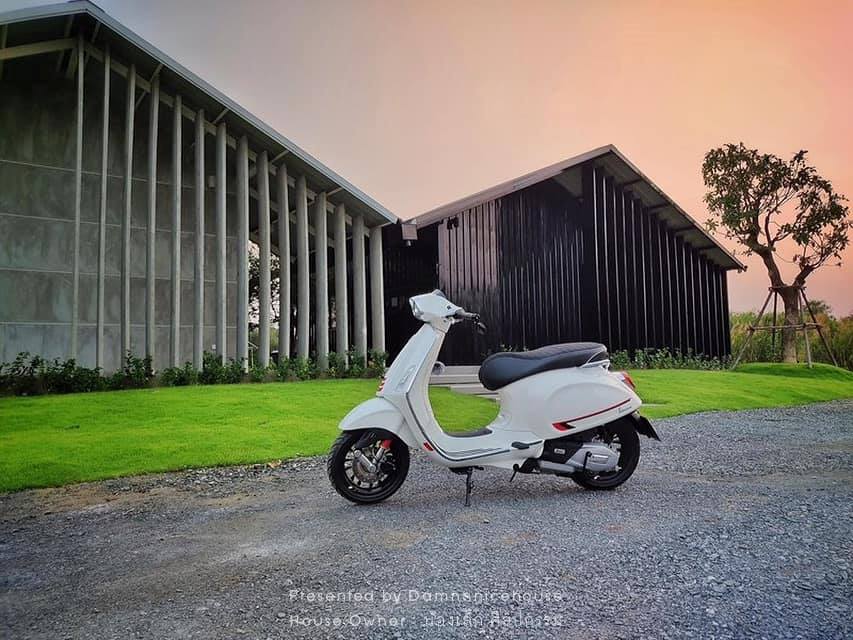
{"type": "Point", "coordinates": [30, 375]}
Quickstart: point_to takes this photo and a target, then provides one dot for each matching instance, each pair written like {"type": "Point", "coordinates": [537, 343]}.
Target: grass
{"type": "Point", "coordinates": [55, 440]}
{"type": "Point", "coordinates": [672, 392]}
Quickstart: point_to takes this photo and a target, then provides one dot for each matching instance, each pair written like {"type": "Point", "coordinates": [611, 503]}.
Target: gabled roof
{"type": "Point", "coordinates": [49, 22]}
{"type": "Point", "coordinates": [624, 171]}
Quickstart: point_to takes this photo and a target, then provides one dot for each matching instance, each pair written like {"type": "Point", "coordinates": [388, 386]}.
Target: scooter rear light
{"type": "Point", "coordinates": [381, 386]}
{"type": "Point", "coordinates": [428, 446]}
{"type": "Point", "coordinates": [561, 426]}
{"type": "Point", "coordinates": [627, 379]}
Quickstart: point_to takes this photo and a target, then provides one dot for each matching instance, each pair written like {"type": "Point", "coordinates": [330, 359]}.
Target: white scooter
{"type": "Point", "coordinates": [562, 411]}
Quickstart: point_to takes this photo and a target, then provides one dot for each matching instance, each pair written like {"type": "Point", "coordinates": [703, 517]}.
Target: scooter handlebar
{"type": "Point", "coordinates": [473, 317]}
{"type": "Point", "coordinates": [466, 315]}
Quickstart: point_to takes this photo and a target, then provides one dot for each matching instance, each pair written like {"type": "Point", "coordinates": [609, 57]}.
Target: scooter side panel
{"type": "Point", "coordinates": [575, 399]}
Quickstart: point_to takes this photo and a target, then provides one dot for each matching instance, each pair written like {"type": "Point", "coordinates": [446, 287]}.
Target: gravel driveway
{"type": "Point", "coordinates": [736, 525]}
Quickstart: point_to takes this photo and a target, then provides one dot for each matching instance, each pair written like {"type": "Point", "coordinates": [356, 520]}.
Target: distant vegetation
{"type": "Point", "coordinates": [763, 348]}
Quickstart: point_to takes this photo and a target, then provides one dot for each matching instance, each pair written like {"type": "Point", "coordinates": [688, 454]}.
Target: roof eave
{"type": "Point", "coordinates": [545, 173]}
{"type": "Point", "coordinates": [76, 7]}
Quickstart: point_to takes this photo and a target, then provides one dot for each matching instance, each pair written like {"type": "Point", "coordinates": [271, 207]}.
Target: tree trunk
{"type": "Point", "coordinates": [791, 299]}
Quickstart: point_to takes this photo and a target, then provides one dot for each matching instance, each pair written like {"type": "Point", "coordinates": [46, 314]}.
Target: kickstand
{"type": "Point", "coordinates": [469, 485]}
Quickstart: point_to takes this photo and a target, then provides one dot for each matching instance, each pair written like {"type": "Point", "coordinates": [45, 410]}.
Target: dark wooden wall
{"type": "Point", "coordinates": [543, 267]}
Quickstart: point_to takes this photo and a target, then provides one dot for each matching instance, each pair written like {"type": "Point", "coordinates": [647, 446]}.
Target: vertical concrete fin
{"type": "Point", "coordinates": [78, 195]}
{"type": "Point", "coordinates": [130, 111]}
{"type": "Point", "coordinates": [151, 244]}
{"type": "Point", "coordinates": [243, 251]}
{"type": "Point", "coordinates": [341, 302]}
{"type": "Point", "coordinates": [102, 218]}
{"type": "Point", "coordinates": [221, 142]}
{"type": "Point", "coordinates": [359, 286]}
{"type": "Point", "coordinates": [303, 297]}
{"type": "Point", "coordinates": [264, 301]}
{"type": "Point", "coordinates": [284, 264]}
{"type": "Point", "coordinates": [198, 264]}
{"type": "Point", "coordinates": [321, 286]}
{"type": "Point", "coordinates": [177, 186]}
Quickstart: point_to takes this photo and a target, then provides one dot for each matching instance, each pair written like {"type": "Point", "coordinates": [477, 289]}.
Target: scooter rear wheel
{"type": "Point", "coordinates": [622, 436]}
{"type": "Point", "coordinates": [352, 480]}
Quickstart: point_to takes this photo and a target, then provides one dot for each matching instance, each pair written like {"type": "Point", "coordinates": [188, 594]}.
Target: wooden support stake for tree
{"type": "Point", "coordinates": [817, 326]}
{"type": "Point", "coordinates": [801, 326]}
{"type": "Point", "coordinates": [805, 332]}
{"type": "Point", "coordinates": [751, 329]}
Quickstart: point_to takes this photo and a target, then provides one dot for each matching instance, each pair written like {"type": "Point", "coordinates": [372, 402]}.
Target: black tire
{"type": "Point", "coordinates": [623, 433]}
{"type": "Point", "coordinates": [345, 480]}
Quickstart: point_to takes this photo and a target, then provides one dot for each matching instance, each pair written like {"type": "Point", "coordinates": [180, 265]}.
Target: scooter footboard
{"type": "Point", "coordinates": [378, 413]}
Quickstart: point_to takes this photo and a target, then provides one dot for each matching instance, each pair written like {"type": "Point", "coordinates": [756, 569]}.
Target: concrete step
{"type": "Point", "coordinates": [471, 389]}
{"type": "Point", "coordinates": [461, 369]}
{"type": "Point", "coordinates": [462, 379]}
{"type": "Point", "coordinates": [446, 379]}
{"type": "Point", "coordinates": [474, 390]}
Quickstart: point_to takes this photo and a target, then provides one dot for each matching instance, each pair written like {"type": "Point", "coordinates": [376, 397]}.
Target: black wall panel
{"type": "Point", "coordinates": [542, 266]}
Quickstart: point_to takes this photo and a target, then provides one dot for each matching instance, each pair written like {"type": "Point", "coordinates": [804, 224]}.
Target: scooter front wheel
{"type": "Point", "coordinates": [364, 471]}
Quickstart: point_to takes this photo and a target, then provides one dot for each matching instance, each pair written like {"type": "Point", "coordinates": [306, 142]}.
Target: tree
{"type": "Point", "coordinates": [762, 201]}
{"type": "Point", "coordinates": [255, 286]}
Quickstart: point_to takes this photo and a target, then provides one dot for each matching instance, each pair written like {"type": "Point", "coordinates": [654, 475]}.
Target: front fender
{"type": "Point", "coordinates": [378, 413]}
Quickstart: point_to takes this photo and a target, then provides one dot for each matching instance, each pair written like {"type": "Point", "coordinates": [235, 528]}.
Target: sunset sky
{"type": "Point", "coordinates": [420, 103]}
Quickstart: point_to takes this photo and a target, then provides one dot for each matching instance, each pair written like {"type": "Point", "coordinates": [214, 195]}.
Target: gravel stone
{"type": "Point", "coordinates": [736, 525]}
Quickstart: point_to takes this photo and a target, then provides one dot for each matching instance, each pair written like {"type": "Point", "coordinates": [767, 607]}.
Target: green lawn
{"type": "Point", "coordinates": [671, 392]}
{"type": "Point", "coordinates": [54, 440]}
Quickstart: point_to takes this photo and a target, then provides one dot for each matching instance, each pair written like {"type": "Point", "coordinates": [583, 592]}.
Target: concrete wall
{"type": "Point", "coordinates": [37, 150]}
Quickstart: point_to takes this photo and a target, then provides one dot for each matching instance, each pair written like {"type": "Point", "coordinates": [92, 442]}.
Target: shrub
{"type": "Point", "coordinates": [21, 375]}
{"type": "Point", "coordinates": [135, 373]}
{"type": "Point", "coordinates": [257, 373]}
{"type": "Point", "coordinates": [375, 363]}
{"type": "Point", "coordinates": [357, 365]}
{"type": "Point", "coordinates": [33, 375]}
{"type": "Point", "coordinates": [337, 365]}
{"type": "Point", "coordinates": [233, 372]}
{"type": "Point", "coordinates": [211, 369]}
{"type": "Point", "coordinates": [284, 369]}
{"type": "Point", "coordinates": [214, 371]}
{"type": "Point", "coordinates": [664, 359]}
{"type": "Point", "coordinates": [304, 368]}
{"type": "Point", "coordinates": [179, 376]}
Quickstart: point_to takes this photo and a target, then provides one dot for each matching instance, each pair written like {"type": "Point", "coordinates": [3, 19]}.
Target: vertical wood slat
{"type": "Point", "coordinates": [130, 111]}
{"type": "Point", "coordinates": [78, 195]}
{"type": "Point", "coordinates": [177, 186]}
{"type": "Point", "coordinates": [198, 265]}
{"type": "Point", "coordinates": [377, 300]}
{"type": "Point", "coordinates": [102, 217]}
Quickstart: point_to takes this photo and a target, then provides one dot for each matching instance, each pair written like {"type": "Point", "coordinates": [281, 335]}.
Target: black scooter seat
{"type": "Point", "coordinates": [501, 369]}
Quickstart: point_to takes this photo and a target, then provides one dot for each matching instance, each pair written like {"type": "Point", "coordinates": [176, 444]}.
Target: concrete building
{"type": "Point", "coordinates": [129, 192]}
